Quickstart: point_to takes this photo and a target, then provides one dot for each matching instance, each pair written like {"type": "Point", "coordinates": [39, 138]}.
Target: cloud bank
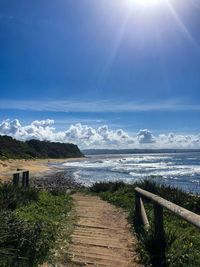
{"type": "Point", "coordinates": [100, 137]}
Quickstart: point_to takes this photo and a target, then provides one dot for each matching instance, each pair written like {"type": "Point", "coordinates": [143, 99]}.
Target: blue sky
{"type": "Point", "coordinates": [127, 64]}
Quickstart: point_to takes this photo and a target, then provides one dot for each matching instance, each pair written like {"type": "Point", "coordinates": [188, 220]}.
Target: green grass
{"type": "Point", "coordinates": [49, 208]}
{"type": "Point", "coordinates": [182, 239]}
{"type": "Point", "coordinates": [30, 223]}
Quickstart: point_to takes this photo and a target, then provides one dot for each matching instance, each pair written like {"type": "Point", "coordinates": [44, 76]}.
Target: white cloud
{"type": "Point", "coordinates": [36, 130]}
{"type": "Point", "coordinates": [145, 137]}
{"type": "Point", "coordinates": [43, 123]}
{"type": "Point", "coordinates": [96, 137]}
{"type": "Point", "coordinates": [179, 140]}
{"type": "Point", "coordinates": [100, 137]}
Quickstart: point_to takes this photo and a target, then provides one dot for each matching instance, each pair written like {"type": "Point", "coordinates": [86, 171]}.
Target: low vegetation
{"type": "Point", "coordinates": [182, 239]}
{"type": "Point", "coordinates": [30, 224]}
{"type": "Point", "coordinates": [35, 226]}
{"type": "Point", "coordinates": [13, 149]}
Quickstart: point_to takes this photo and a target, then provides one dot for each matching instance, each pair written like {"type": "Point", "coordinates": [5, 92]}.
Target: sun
{"type": "Point", "coordinates": [145, 3]}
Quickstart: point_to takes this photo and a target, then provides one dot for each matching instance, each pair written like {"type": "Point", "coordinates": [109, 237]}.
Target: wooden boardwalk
{"type": "Point", "coordinates": [102, 235]}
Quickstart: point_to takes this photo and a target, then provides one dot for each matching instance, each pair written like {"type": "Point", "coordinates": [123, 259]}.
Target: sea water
{"type": "Point", "coordinates": [176, 169]}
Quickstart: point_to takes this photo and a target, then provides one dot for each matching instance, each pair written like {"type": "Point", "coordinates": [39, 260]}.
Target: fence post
{"type": "Point", "coordinates": [159, 233]}
{"type": "Point", "coordinates": [137, 209]}
{"type": "Point", "coordinates": [21, 175]}
{"type": "Point", "coordinates": [143, 214]}
{"type": "Point", "coordinates": [27, 178]}
{"type": "Point", "coordinates": [24, 179]}
{"type": "Point", "coordinates": [16, 179]}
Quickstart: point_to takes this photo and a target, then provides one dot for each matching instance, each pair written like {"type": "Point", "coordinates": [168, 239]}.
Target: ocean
{"type": "Point", "coordinates": [176, 169]}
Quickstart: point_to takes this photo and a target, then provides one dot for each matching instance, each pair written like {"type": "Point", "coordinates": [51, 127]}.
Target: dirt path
{"type": "Point", "coordinates": [101, 236]}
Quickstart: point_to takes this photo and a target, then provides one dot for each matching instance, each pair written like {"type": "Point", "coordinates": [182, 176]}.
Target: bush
{"type": "Point", "coordinates": [106, 186]}
{"type": "Point", "coordinates": [12, 197]}
{"type": "Point", "coordinates": [21, 243]}
{"type": "Point", "coordinates": [29, 222]}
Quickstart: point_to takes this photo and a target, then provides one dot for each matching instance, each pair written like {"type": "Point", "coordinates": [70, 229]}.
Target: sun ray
{"type": "Point", "coordinates": [145, 3]}
{"type": "Point", "coordinates": [113, 54]}
{"type": "Point", "coordinates": [181, 25]}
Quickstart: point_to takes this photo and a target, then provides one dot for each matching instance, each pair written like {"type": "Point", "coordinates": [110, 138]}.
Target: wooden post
{"type": "Point", "coordinates": [185, 214]}
{"type": "Point", "coordinates": [27, 178]}
{"type": "Point", "coordinates": [144, 218]}
{"type": "Point", "coordinates": [20, 176]}
{"type": "Point", "coordinates": [16, 179]}
{"type": "Point", "coordinates": [159, 233]}
{"type": "Point", "coordinates": [140, 213]}
{"type": "Point", "coordinates": [137, 209]}
{"type": "Point", "coordinates": [24, 179]}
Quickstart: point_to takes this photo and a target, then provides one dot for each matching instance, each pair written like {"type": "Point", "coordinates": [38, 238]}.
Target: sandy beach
{"type": "Point", "coordinates": [37, 166]}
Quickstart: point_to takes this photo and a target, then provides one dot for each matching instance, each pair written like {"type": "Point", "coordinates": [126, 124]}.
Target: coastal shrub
{"type": "Point", "coordinates": [106, 186]}
{"type": "Point", "coordinates": [182, 239]}
{"type": "Point", "coordinates": [29, 223]}
{"type": "Point", "coordinates": [12, 197]}
{"type": "Point", "coordinates": [21, 244]}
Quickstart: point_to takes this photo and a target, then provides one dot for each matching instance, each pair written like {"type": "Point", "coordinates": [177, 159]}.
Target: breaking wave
{"type": "Point", "coordinates": [181, 170]}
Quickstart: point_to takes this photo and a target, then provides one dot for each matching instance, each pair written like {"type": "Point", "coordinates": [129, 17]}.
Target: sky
{"type": "Point", "coordinates": [102, 74]}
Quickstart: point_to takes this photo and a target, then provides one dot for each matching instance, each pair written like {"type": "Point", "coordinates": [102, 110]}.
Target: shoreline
{"type": "Point", "coordinates": [37, 167]}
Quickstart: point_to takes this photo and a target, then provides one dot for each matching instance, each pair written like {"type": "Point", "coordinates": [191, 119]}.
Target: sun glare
{"type": "Point", "coordinates": [145, 3]}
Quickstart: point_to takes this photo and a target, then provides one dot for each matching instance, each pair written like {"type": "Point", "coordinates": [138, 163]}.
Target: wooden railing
{"type": "Point", "coordinates": [21, 176]}
{"type": "Point", "coordinates": [158, 204]}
